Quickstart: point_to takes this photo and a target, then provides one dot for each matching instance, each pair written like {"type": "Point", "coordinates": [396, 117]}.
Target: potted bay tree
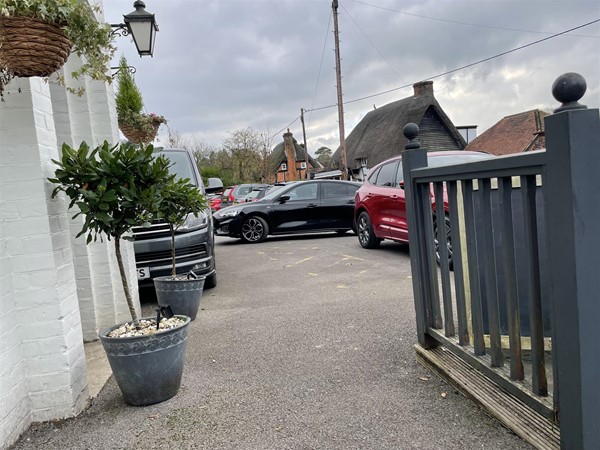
{"type": "Point", "coordinates": [181, 203]}
{"type": "Point", "coordinates": [116, 188]}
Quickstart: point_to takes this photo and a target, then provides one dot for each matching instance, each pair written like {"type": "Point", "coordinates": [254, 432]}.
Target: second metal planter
{"type": "Point", "coordinates": [182, 295]}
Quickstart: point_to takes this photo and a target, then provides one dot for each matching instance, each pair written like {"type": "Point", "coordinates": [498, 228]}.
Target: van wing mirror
{"type": "Point", "coordinates": [214, 185]}
{"type": "Point", "coordinates": [284, 198]}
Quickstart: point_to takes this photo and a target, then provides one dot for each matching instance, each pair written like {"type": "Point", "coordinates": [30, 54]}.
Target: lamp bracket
{"type": "Point", "coordinates": [117, 69]}
{"type": "Point", "coordinates": [119, 29]}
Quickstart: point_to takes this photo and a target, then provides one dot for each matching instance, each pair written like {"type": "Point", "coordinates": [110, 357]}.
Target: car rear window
{"type": "Point", "coordinates": [387, 175]}
{"type": "Point", "coordinates": [334, 190]}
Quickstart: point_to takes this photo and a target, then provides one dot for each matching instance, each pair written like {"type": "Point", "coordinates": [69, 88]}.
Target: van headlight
{"type": "Point", "coordinates": [193, 222]}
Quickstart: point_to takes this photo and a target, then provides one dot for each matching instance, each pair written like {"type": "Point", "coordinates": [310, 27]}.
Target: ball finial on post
{"type": "Point", "coordinates": [411, 130]}
{"type": "Point", "coordinates": [568, 89]}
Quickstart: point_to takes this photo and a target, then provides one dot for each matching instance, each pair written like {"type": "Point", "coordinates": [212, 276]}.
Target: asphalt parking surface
{"type": "Point", "coordinates": [306, 343]}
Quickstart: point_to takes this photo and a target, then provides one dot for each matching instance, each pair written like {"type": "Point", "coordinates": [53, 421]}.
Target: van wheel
{"type": "Point", "coordinates": [211, 281]}
{"type": "Point", "coordinates": [255, 229]}
{"type": "Point", "coordinates": [366, 235]}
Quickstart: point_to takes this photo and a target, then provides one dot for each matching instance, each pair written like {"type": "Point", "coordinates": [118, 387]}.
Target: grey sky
{"type": "Point", "coordinates": [224, 65]}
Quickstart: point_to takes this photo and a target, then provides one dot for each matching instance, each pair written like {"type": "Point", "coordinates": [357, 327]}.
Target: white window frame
{"type": "Point", "coordinates": [284, 166]}
{"type": "Point", "coordinates": [303, 165]}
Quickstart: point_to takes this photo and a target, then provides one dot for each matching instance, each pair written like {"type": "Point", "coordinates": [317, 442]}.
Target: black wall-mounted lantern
{"type": "Point", "coordinates": [142, 26]}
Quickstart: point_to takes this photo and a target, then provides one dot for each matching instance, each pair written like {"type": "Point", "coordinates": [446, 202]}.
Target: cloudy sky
{"type": "Point", "coordinates": [225, 65]}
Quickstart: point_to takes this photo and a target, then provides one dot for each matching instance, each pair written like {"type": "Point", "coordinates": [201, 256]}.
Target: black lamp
{"type": "Point", "coordinates": [142, 26]}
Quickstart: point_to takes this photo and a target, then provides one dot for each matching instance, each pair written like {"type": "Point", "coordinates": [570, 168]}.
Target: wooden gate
{"type": "Point", "coordinates": [506, 279]}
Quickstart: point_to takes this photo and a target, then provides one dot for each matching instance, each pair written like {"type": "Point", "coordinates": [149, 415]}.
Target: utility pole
{"type": "Point", "coordinates": [338, 74]}
{"type": "Point", "coordinates": [305, 147]}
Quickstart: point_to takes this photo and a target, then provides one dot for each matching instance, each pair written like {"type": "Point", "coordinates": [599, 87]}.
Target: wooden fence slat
{"type": "Point", "coordinates": [488, 264]}
{"type": "Point", "coordinates": [457, 260]}
{"type": "Point", "coordinates": [539, 382]}
{"type": "Point", "coordinates": [442, 239]}
{"type": "Point", "coordinates": [510, 279]}
{"type": "Point", "coordinates": [430, 265]}
{"type": "Point", "coordinates": [473, 269]}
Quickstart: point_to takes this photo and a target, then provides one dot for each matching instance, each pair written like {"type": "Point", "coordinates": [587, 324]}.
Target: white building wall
{"type": "Point", "coordinates": [42, 357]}
{"type": "Point", "coordinates": [54, 290]}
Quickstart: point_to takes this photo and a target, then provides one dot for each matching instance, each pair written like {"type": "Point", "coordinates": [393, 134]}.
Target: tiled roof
{"type": "Point", "coordinates": [513, 134]}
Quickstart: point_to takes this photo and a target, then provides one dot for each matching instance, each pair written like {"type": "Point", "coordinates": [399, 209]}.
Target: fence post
{"type": "Point", "coordinates": [572, 188]}
{"type": "Point", "coordinates": [415, 157]}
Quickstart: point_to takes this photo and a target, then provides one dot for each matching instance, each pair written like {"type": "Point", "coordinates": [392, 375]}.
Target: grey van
{"type": "Point", "coordinates": [194, 241]}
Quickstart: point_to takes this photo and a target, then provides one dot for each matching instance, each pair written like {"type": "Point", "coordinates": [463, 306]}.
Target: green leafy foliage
{"type": "Point", "coordinates": [180, 200]}
{"type": "Point", "coordinates": [129, 103]}
{"type": "Point", "coordinates": [128, 98]}
{"type": "Point", "coordinates": [115, 188]}
{"type": "Point", "coordinates": [91, 39]}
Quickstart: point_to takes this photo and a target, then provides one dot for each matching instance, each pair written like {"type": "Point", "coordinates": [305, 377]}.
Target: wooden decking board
{"type": "Point", "coordinates": [512, 412]}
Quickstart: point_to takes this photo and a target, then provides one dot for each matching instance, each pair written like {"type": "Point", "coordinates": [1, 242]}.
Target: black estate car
{"type": "Point", "coordinates": [301, 207]}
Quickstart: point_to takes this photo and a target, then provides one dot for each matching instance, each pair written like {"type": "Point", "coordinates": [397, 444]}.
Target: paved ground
{"type": "Point", "coordinates": [306, 343]}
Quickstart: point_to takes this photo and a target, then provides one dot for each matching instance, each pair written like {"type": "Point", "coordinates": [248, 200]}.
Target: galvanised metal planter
{"type": "Point", "coordinates": [182, 295]}
{"type": "Point", "coordinates": [148, 369]}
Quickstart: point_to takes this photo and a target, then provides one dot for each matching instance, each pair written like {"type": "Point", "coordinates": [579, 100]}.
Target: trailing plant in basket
{"type": "Point", "coordinates": [90, 39]}
{"type": "Point", "coordinates": [182, 204]}
{"type": "Point", "coordinates": [129, 103]}
{"type": "Point", "coordinates": [115, 189]}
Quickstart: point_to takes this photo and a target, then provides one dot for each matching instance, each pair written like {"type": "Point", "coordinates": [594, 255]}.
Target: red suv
{"type": "Point", "coordinates": [380, 208]}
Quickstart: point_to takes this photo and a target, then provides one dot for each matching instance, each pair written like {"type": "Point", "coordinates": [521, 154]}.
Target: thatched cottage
{"type": "Point", "coordinates": [378, 136]}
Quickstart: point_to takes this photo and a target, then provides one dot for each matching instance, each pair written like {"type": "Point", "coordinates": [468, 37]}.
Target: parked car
{"type": "Point", "coordinates": [380, 209]}
{"type": "Point", "coordinates": [238, 193]}
{"type": "Point", "coordinates": [194, 241]}
{"type": "Point", "coordinates": [302, 207]}
{"type": "Point", "coordinates": [214, 201]}
{"type": "Point", "coordinates": [256, 194]}
{"type": "Point", "coordinates": [225, 200]}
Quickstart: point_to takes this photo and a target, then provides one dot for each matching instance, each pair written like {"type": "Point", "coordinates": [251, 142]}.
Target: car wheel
{"type": "Point", "coordinates": [366, 236]}
{"type": "Point", "coordinates": [254, 229]}
{"type": "Point", "coordinates": [211, 280]}
{"type": "Point", "coordinates": [448, 241]}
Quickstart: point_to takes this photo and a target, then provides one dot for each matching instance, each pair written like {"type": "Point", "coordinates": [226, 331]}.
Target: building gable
{"type": "Point", "coordinates": [517, 133]}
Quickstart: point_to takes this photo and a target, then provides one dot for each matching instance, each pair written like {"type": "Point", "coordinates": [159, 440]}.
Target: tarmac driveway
{"type": "Point", "coordinates": [306, 343]}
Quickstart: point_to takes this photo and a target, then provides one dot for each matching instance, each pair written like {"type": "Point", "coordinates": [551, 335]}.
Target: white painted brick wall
{"type": "Point", "coordinates": [42, 362]}
{"type": "Point", "coordinates": [40, 324]}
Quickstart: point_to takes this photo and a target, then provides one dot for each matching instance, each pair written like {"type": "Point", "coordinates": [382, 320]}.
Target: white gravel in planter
{"type": "Point", "coordinates": [145, 327]}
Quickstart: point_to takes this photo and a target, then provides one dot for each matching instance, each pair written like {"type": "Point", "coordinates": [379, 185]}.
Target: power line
{"type": "Point", "coordinates": [284, 128]}
{"type": "Point", "coordinates": [321, 64]}
{"type": "Point", "coordinates": [371, 42]}
{"type": "Point", "coordinates": [437, 19]}
{"type": "Point", "coordinates": [466, 66]}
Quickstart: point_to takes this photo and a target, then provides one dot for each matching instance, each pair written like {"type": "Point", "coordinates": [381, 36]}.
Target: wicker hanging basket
{"type": "Point", "coordinates": [30, 47]}
{"type": "Point", "coordinates": [138, 135]}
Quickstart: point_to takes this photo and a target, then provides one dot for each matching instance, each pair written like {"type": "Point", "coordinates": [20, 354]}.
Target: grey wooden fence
{"type": "Point", "coordinates": [522, 235]}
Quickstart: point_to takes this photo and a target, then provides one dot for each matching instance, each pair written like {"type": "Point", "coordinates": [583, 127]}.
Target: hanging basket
{"type": "Point", "coordinates": [139, 135]}
{"type": "Point", "coordinates": [30, 47]}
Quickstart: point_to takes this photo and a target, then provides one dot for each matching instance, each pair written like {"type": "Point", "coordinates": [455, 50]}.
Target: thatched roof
{"type": "Point", "coordinates": [378, 136]}
{"type": "Point", "coordinates": [278, 154]}
{"type": "Point", "coordinates": [518, 133]}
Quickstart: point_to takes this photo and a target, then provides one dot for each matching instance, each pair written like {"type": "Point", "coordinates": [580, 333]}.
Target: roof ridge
{"type": "Point", "coordinates": [523, 113]}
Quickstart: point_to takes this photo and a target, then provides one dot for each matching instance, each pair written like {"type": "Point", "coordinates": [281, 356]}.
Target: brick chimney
{"type": "Point", "coordinates": [423, 88]}
{"type": "Point", "coordinates": [290, 153]}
